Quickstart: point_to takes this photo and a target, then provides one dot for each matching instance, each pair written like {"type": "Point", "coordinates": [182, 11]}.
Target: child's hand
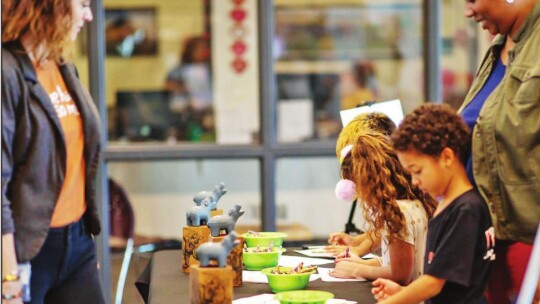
{"type": "Point", "coordinates": [344, 270]}
{"type": "Point", "coordinates": [335, 250]}
{"type": "Point", "coordinates": [384, 288]}
{"type": "Point", "coordinates": [340, 238]}
{"type": "Point", "coordinates": [351, 257]}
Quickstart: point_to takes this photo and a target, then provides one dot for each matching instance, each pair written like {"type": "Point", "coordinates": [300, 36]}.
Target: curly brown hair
{"type": "Point", "coordinates": [365, 122]}
{"type": "Point", "coordinates": [432, 127]}
{"type": "Point", "coordinates": [48, 21]}
{"type": "Point", "coordinates": [380, 181]}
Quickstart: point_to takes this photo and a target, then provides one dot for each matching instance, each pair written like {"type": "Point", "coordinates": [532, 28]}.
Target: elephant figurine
{"type": "Point", "coordinates": [214, 195]}
{"type": "Point", "coordinates": [216, 251]}
{"type": "Point", "coordinates": [225, 222]}
{"type": "Point", "coordinates": [198, 215]}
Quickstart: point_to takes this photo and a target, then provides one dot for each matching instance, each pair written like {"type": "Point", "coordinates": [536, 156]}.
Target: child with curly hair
{"type": "Point", "coordinates": [431, 143]}
{"type": "Point", "coordinates": [397, 210]}
{"type": "Point", "coordinates": [365, 122]}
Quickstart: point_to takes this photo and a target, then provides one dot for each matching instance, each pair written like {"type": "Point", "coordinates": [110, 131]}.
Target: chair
{"type": "Point", "coordinates": [122, 224]}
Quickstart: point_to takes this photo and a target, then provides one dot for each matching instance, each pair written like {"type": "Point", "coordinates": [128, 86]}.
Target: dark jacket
{"type": "Point", "coordinates": [34, 151]}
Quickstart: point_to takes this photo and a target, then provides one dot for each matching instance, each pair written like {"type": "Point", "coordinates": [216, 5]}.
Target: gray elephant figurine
{"type": "Point", "coordinates": [225, 222]}
{"type": "Point", "coordinates": [214, 195]}
{"type": "Point", "coordinates": [216, 251]}
{"type": "Point", "coordinates": [198, 215]}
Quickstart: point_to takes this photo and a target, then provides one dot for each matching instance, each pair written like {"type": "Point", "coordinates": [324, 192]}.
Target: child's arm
{"type": "Point", "coordinates": [367, 245]}
{"type": "Point", "coordinates": [419, 290]}
{"type": "Point", "coordinates": [401, 261]}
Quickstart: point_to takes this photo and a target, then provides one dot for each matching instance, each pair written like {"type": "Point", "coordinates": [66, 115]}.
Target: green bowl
{"type": "Point", "coordinates": [304, 297]}
{"type": "Point", "coordinates": [260, 260]}
{"type": "Point", "coordinates": [263, 239]}
{"type": "Point", "coordinates": [286, 282]}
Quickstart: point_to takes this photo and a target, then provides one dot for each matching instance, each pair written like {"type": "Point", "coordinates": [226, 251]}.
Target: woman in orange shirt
{"type": "Point", "coordinates": [50, 150]}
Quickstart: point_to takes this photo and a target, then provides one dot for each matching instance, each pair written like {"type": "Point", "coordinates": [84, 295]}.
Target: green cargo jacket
{"type": "Point", "coordinates": [506, 138]}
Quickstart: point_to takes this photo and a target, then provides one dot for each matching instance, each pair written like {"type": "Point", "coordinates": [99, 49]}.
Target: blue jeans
{"type": "Point", "coordinates": [65, 269]}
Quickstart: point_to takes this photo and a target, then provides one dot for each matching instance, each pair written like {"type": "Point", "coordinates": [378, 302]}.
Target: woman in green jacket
{"type": "Point", "coordinates": [503, 111]}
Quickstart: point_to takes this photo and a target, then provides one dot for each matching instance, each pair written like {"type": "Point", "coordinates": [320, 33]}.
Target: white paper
{"type": "Point", "coordinates": [268, 298]}
{"type": "Point", "coordinates": [265, 298]}
{"type": "Point", "coordinates": [316, 253]}
{"type": "Point", "coordinates": [253, 276]}
{"type": "Point", "coordinates": [391, 108]}
{"type": "Point", "coordinates": [369, 256]}
{"type": "Point", "coordinates": [293, 261]}
{"type": "Point", "coordinates": [325, 276]}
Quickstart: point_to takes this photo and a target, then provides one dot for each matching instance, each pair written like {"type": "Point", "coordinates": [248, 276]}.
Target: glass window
{"type": "Point", "coordinates": [339, 54]}
{"type": "Point", "coordinates": [459, 52]}
{"type": "Point", "coordinates": [166, 85]}
{"type": "Point", "coordinates": [162, 192]}
{"type": "Point", "coordinates": [306, 206]}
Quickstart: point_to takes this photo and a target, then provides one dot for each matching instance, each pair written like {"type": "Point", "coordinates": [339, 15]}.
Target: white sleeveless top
{"type": "Point", "coordinates": [416, 224]}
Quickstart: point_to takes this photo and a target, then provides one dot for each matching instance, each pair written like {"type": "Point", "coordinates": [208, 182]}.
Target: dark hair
{"type": "Point", "coordinates": [432, 127]}
{"type": "Point", "coordinates": [190, 44]}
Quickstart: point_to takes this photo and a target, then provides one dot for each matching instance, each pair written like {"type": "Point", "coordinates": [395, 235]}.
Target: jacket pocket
{"type": "Point", "coordinates": [526, 83]}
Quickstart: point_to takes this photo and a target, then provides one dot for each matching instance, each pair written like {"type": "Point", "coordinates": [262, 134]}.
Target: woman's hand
{"type": "Point", "coordinates": [12, 288]}
{"type": "Point", "coordinates": [383, 288]}
{"type": "Point", "coordinates": [9, 265]}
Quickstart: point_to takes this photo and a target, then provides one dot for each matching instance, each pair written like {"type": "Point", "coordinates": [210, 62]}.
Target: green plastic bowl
{"type": "Point", "coordinates": [304, 297]}
{"type": "Point", "coordinates": [286, 282]}
{"type": "Point", "coordinates": [260, 260]}
{"type": "Point", "coordinates": [263, 239]}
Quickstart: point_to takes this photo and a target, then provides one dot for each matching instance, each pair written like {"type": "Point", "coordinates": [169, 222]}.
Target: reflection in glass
{"type": "Point", "coordinates": [341, 55]}
{"type": "Point", "coordinates": [459, 53]}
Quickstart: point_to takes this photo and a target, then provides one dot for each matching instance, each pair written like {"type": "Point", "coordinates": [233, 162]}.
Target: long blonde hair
{"type": "Point", "coordinates": [47, 21]}
{"type": "Point", "coordinates": [380, 181]}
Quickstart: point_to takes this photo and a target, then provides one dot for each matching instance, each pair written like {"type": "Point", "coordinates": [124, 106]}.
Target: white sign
{"type": "Point", "coordinates": [391, 108]}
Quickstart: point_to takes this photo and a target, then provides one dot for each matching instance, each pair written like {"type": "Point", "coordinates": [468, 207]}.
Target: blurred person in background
{"type": "Point", "coordinates": [364, 88]}
{"type": "Point", "coordinates": [190, 86]}
{"type": "Point", "coordinates": [50, 151]}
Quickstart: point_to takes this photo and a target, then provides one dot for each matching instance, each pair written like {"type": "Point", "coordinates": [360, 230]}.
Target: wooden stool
{"type": "Point", "coordinates": [192, 237]}
{"type": "Point", "coordinates": [210, 285]}
{"type": "Point", "coordinates": [234, 259]}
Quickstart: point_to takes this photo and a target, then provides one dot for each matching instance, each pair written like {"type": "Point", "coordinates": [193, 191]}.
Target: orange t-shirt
{"type": "Point", "coordinates": [71, 203]}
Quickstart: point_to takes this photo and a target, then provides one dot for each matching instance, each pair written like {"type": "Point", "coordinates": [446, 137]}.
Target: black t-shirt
{"type": "Point", "coordinates": [459, 249]}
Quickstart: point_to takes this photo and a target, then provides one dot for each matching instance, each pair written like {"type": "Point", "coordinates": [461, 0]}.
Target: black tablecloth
{"type": "Point", "coordinates": [163, 282]}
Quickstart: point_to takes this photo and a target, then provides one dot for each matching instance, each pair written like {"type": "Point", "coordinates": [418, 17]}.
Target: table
{"type": "Point", "coordinates": [164, 282]}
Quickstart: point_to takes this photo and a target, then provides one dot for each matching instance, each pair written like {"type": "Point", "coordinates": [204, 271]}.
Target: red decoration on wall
{"type": "Point", "coordinates": [238, 30]}
{"type": "Point", "coordinates": [238, 14]}
{"type": "Point", "coordinates": [239, 47]}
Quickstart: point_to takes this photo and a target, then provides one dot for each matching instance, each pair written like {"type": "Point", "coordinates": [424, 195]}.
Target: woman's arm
{"type": "Point", "coordinates": [10, 266]}
{"type": "Point", "coordinates": [419, 290]}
